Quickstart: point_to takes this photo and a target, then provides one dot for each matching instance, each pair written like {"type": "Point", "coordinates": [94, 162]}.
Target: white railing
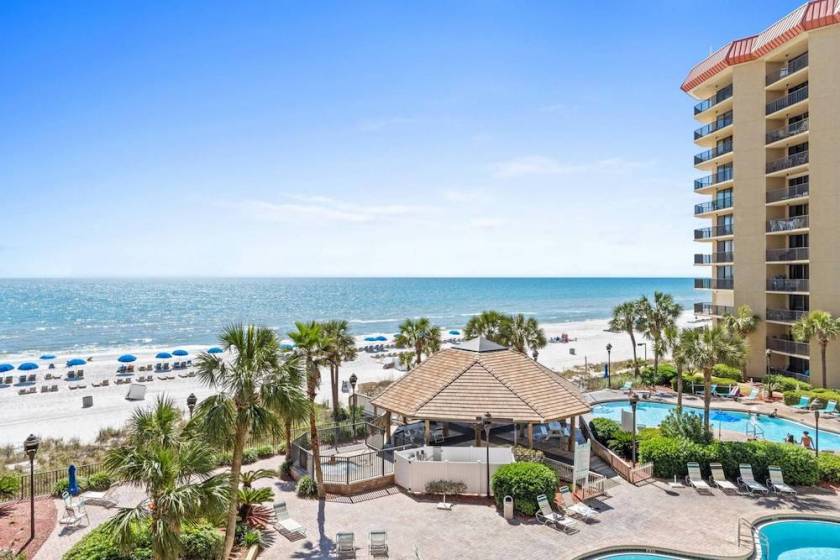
{"type": "Point", "coordinates": [595, 484]}
{"type": "Point", "coordinates": [641, 472]}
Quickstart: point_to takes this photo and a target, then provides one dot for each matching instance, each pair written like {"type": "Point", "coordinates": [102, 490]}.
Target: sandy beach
{"type": "Point", "coordinates": [60, 414]}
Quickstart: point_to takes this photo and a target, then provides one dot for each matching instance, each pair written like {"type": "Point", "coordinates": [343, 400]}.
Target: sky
{"type": "Point", "coordinates": [353, 138]}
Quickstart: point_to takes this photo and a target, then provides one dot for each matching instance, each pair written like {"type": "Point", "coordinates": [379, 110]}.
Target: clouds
{"type": "Point", "coordinates": [327, 209]}
{"type": "Point", "coordinates": [532, 165]}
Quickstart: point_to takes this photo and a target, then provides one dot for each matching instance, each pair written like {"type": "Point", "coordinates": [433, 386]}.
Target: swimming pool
{"type": "Point", "coordinates": [775, 429]}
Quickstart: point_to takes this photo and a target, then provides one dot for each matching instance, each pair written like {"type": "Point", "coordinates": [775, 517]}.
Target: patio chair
{"type": "Point", "coordinates": [282, 521]}
{"type": "Point", "coordinates": [747, 480]}
{"type": "Point", "coordinates": [577, 508]}
{"type": "Point", "coordinates": [98, 498]}
{"type": "Point", "coordinates": [712, 390]}
{"type": "Point", "coordinates": [345, 546]}
{"type": "Point", "coordinates": [628, 385]}
{"type": "Point", "coordinates": [804, 403]}
{"type": "Point", "coordinates": [734, 392]}
{"type": "Point", "coordinates": [718, 478]}
{"type": "Point", "coordinates": [555, 430]}
{"type": "Point", "coordinates": [776, 482]}
{"type": "Point", "coordinates": [378, 543]}
{"type": "Point", "coordinates": [753, 396]}
{"type": "Point", "coordinates": [548, 516]}
{"type": "Point", "coordinates": [73, 515]}
{"type": "Point", "coordinates": [695, 477]}
{"type": "Point", "coordinates": [540, 432]}
{"type": "Point", "coordinates": [830, 409]}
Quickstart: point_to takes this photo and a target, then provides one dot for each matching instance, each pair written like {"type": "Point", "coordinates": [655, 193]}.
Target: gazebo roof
{"type": "Point", "coordinates": [465, 382]}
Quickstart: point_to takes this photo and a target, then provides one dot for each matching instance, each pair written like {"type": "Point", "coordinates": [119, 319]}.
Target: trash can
{"type": "Point", "coordinates": [87, 401]}
{"type": "Point", "coordinates": [508, 507]}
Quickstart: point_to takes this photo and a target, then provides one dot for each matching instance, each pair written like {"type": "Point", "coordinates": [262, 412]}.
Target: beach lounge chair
{"type": "Point", "coordinates": [548, 516]}
{"type": "Point", "coordinates": [45, 389]}
{"type": "Point", "coordinates": [747, 480]}
{"type": "Point", "coordinates": [804, 403]}
{"type": "Point", "coordinates": [54, 388]}
{"type": "Point", "coordinates": [831, 409]}
{"type": "Point", "coordinates": [136, 392]}
{"type": "Point", "coordinates": [734, 392]}
{"type": "Point", "coordinates": [712, 390]}
{"type": "Point", "coordinates": [102, 499]}
{"type": "Point", "coordinates": [121, 369]}
{"type": "Point", "coordinates": [628, 385]}
{"type": "Point", "coordinates": [540, 432]}
{"type": "Point", "coordinates": [282, 521]}
{"type": "Point", "coordinates": [555, 430]}
{"type": "Point", "coordinates": [31, 378]}
{"type": "Point", "coordinates": [695, 478]}
{"type": "Point", "coordinates": [74, 515]}
{"type": "Point", "coordinates": [718, 478]}
{"type": "Point", "coordinates": [9, 379]}
{"type": "Point", "coordinates": [345, 546]}
{"type": "Point", "coordinates": [576, 508]}
{"type": "Point", "coordinates": [378, 543]}
{"type": "Point", "coordinates": [776, 482]}
{"type": "Point", "coordinates": [753, 396]}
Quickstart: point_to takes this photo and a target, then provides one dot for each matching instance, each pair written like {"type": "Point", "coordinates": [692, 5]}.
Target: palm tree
{"type": "Point", "coordinates": [515, 333]}
{"type": "Point", "coordinates": [819, 325]}
{"type": "Point", "coordinates": [655, 318]}
{"type": "Point", "coordinates": [421, 335]}
{"type": "Point", "coordinates": [712, 346]}
{"type": "Point", "coordinates": [626, 317]}
{"type": "Point", "coordinates": [339, 347]}
{"type": "Point", "coordinates": [406, 359]}
{"type": "Point", "coordinates": [174, 469]}
{"type": "Point", "coordinates": [253, 390]}
{"type": "Point", "coordinates": [678, 342]}
{"type": "Point", "coordinates": [489, 324]}
{"type": "Point", "coordinates": [309, 342]}
{"type": "Point", "coordinates": [743, 323]}
{"type": "Point", "coordinates": [535, 337]}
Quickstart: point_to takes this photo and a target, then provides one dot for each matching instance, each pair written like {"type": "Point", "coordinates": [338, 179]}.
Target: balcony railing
{"type": "Point", "coordinates": [782, 255]}
{"type": "Point", "coordinates": [787, 285]}
{"type": "Point", "coordinates": [721, 122]}
{"type": "Point", "coordinates": [786, 193]}
{"type": "Point", "coordinates": [785, 315]}
{"type": "Point", "coordinates": [713, 205]}
{"type": "Point", "coordinates": [714, 258]}
{"type": "Point", "coordinates": [787, 224]}
{"type": "Point", "coordinates": [722, 95]}
{"type": "Point", "coordinates": [790, 373]}
{"type": "Point", "coordinates": [714, 231]}
{"type": "Point", "coordinates": [781, 133]}
{"type": "Point", "coordinates": [713, 153]}
{"type": "Point", "coordinates": [714, 283]}
{"type": "Point", "coordinates": [788, 346]}
{"type": "Point", "coordinates": [713, 310]}
{"type": "Point", "coordinates": [720, 176]}
{"type": "Point", "coordinates": [787, 162]}
{"type": "Point", "coordinates": [783, 102]}
{"type": "Point", "coordinates": [793, 66]}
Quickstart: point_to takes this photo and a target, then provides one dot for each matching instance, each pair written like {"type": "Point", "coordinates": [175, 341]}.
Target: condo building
{"type": "Point", "coordinates": [769, 153]}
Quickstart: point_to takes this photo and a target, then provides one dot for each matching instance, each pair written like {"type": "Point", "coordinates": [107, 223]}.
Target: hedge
{"type": "Point", "coordinates": [200, 542]}
{"type": "Point", "coordinates": [9, 485]}
{"type": "Point", "coordinates": [829, 466]}
{"type": "Point", "coordinates": [670, 455]}
{"type": "Point", "coordinates": [610, 434]}
{"type": "Point", "coordinates": [99, 481]}
{"type": "Point", "coordinates": [825, 395]}
{"type": "Point", "coordinates": [697, 378]}
{"type": "Point", "coordinates": [662, 376]}
{"type": "Point", "coordinates": [524, 482]}
{"type": "Point", "coordinates": [723, 371]}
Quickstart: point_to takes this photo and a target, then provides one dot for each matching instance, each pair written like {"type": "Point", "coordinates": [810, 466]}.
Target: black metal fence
{"type": "Point", "coordinates": [45, 481]}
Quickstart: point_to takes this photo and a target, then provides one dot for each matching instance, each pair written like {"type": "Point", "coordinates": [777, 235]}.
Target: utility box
{"type": "Point", "coordinates": [87, 401]}
{"type": "Point", "coordinates": [508, 507]}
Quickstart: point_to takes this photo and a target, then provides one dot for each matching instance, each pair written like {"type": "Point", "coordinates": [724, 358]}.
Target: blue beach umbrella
{"type": "Point", "coordinates": [48, 356]}
{"type": "Point", "coordinates": [76, 362]}
{"type": "Point", "coordinates": [180, 352]}
{"type": "Point", "coordinates": [215, 350]}
{"type": "Point", "coordinates": [381, 338]}
{"type": "Point", "coordinates": [27, 366]}
{"type": "Point", "coordinates": [370, 339]}
{"type": "Point", "coordinates": [454, 332]}
{"type": "Point", "coordinates": [163, 355]}
{"type": "Point", "coordinates": [72, 486]}
{"type": "Point", "coordinates": [126, 358]}
{"type": "Point", "coordinates": [6, 367]}
{"type": "Point", "coordinates": [286, 344]}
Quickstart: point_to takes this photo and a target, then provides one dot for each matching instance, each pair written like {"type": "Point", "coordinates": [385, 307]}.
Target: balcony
{"type": "Point", "coordinates": [716, 178]}
{"type": "Point", "coordinates": [782, 133]}
{"type": "Point", "coordinates": [787, 162]}
{"type": "Point", "coordinates": [713, 206]}
{"type": "Point", "coordinates": [714, 284]}
{"type": "Point", "coordinates": [715, 152]}
{"type": "Point", "coordinates": [785, 315]}
{"type": "Point", "coordinates": [787, 193]}
{"type": "Point", "coordinates": [787, 285]}
{"type": "Point", "coordinates": [792, 67]}
{"type": "Point", "coordinates": [722, 95]}
{"type": "Point", "coordinates": [785, 225]}
{"type": "Point", "coordinates": [783, 102]}
{"type": "Point", "coordinates": [789, 346]}
{"type": "Point", "coordinates": [713, 310]}
{"type": "Point", "coordinates": [718, 124]}
{"type": "Point", "coordinates": [714, 231]}
{"type": "Point", "coordinates": [714, 258]}
{"type": "Point", "coordinates": [789, 373]}
{"type": "Point", "coordinates": [787, 255]}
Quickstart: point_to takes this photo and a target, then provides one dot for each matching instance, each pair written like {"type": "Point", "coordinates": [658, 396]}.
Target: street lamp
{"type": "Point", "coordinates": [645, 345]}
{"type": "Point", "coordinates": [767, 353]}
{"type": "Point", "coordinates": [609, 366]}
{"type": "Point", "coordinates": [353, 380]}
{"type": "Point", "coordinates": [191, 402]}
{"type": "Point", "coordinates": [30, 446]}
{"type": "Point", "coordinates": [634, 401]}
{"type": "Point", "coordinates": [817, 422]}
{"type": "Point", "coordinates": [487, 423]}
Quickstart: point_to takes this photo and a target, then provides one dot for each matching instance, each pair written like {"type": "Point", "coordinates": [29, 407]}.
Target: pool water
{"type": "Point", "coordinates": [775, 429]}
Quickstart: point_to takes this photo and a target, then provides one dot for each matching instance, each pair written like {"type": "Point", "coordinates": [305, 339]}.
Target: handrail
{"type": "Point", "coordinates": [722, 121]}
{"type": "Point", "coordinates": [786, 131]}
{"type": "Point", "coordinates": [800, 158]}
{"type": "Point", "coordinates": [722, 95]}
{"type": "Point", "coordinates": [787, 100]}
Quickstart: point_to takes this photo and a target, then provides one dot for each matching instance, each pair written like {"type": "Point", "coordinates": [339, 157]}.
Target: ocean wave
{"type": "Point", "coordinates": [374, 321]}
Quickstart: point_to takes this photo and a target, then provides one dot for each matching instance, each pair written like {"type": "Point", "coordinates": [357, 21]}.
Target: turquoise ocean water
{"type": "Point", "coordinates": [64, 314]}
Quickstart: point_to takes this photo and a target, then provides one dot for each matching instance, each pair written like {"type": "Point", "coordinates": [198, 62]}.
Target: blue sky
{"type": "Point", "coordinates": [353, 138]}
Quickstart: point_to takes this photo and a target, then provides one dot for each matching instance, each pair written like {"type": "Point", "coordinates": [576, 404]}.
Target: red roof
{"type": "Point", "coordinates": [814, 14]}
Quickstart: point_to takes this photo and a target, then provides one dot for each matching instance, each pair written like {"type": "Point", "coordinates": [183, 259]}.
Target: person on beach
{"type": "Point", "coordinates": [806, 441]}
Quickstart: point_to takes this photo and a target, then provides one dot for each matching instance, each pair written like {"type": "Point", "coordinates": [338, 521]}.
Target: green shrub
{"type": "Point", "coordinates": [697, 379]}
{"type": "Point", "coordinates": [306, 487]}
{"type": "Point", "coordinates": [286, 468]}
{"type": "Point", "coordinates": [252, 538]}
{"type": "Point", "coordinates": [61, 486]}
{"type": "Point", "coordinates": [662, 376]}
{"type": "Point", "coordinates": [249, 456]}
{"type": "Point", "coordinates": [604, 429]}
{"type": "Point", "coordinates": [523, 481]}
{"type": "Point", "coordinates": [264, 451]}
{"type": "Point", "coordinates": [9, 485]}
{"type": "Point", "coordinates": [685, 425]}
{"type": "Point", "coordinates": [201, 541]}
{"type": "Point", "coordinates": [99, 481]}
{"type": "Point", "coordinates": [829, 468]}
{"type": "Point", "coordinates": [224, 458]}
{"type": "Point", "coordinates": [526, 455]}
{"type": "Point", "coordinates": [723, 371]}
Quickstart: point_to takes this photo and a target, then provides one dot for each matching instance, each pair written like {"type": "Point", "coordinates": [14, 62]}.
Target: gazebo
{"type": "Point", "coordinates": [465, 383]}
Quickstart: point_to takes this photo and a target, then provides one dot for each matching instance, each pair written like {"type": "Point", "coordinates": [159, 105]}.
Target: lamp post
{"type": "Point", "coordinates": [645, 345]}
{"type": "Point", "coordinates": [30, 446]}
{"type": "Point", "coordinates": [609, 366]}
{"type": "Point", "coordinates": [191, 402]}
{"type": "Point", "coordinates": [634, 401]}
{"type": "Point", "coordinates": [767, 354]}
{"type": "Point", "coordinates": [487, 423]}
{"type": "Point", "coordinates": [353, 380]}
{"type": "Point", "coordinates": [817, 434]}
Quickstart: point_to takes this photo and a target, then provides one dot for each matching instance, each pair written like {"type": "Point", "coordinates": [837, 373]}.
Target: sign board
{"type": "Point", "coordinates": [627, 421]}
{"type": "Point", "coordinates": [581, 468]}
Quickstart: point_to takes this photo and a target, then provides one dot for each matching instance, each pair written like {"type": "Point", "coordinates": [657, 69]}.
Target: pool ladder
{"type": "Point", "coordinates": [761, 544]}
{"type": "Point", "coordinates": [754, 430]}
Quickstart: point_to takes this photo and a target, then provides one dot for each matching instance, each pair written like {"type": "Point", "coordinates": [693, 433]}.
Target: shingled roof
{"type": "Point", "coordinates": [480, 376]}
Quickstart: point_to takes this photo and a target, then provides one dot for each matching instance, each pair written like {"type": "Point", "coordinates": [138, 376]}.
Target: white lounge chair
{"type": "Point", "coordinates": [548, 516]}
{"type": "Point", "coordinates": [282, 521]}
{"type": "Point", "coordinates": [103, 499]}
{"type": "Point", "coordinates": [747, 480]}
{"type": "Point", "coordinates": [718, 478]}
{"type": "Point", "coordinates": [776, 482]}
{"type": "Point", "coordinates": [753, 396]}
{"type": "Point", "coordinates": [136, 392]}
{"type": "Point", "coordinates": [695, 478]}
{"type": "Point", "coordinates": [74, 514]}
{"type": "Point", "coordinates": [378, 543]}
{"type": "Point", "coordinates": [345, 546]}
{"type": "Point", "coordinates": [577, 508]}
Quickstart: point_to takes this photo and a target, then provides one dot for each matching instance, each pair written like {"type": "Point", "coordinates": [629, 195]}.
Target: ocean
{"type": "Point", "coordinates": [55, 315]}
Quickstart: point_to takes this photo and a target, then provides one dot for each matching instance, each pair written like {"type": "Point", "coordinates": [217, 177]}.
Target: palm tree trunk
{"type": "Point", "coordinates": [635, 360]}
{"type": "Point", "coordinates": [707, 397]}
{"type": "Point", "coordinates": [314, 442]}
{"type": "Point", "coordinates": [679, 388]}
{"type": "Point", "coordinates": [288, 427]}
{"type": "Point", "coordinates": [417, 350]}
{"type": "Point", "coordinates": [334, 380]}
{"type": "Point", "coordinates": [235, 469]}
{"type": "Point", "coordinates": [823, 346]}
{"type": "Point", "coordinates": [655, 361]}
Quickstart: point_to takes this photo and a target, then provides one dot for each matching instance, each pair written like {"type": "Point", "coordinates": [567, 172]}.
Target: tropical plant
{"type": "Point", "coordinates": [251, 511]}
{"type": "Point", "coordinates": [524, 482]}
{"type": "Point", "coordinates": [306, 487]}
{"type": "Point", "coordinates": [516, 331]}
{"type": "Point", "coordinates": [421, 335]}
{"type": "Point", "coordinates": [339, 347]}
{"type": "Point", "coordinates": [712, 346]}
{"type": "Point", "coordinates": [819, 326]}
{"type": "Point", "coordinates": [248, 478]}
{"type": "Point", "coordinates": [743, 323]}
{"type": "Point", "coordinates": [175, 471]}
{"type": "Point", "coordinates": [489, 324]}
{"type": "Point", "coordinates": [406, 359]}
{"type": "Point", "coordinates": [655, 318]}
{"type": "Point", "coordinates": [626, 317]}
{"type": "Point", "coordinates": [254, 392]}
{"type": "Point", "coordinates": [685, 425]}
{"type": "Point", "coordinates": [679, 342]}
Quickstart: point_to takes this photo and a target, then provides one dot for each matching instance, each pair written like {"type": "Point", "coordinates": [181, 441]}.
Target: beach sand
{"type": "Point", "coordinates": [60, 414]}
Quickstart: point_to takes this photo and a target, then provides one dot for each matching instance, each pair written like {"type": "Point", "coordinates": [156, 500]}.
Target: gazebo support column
{"type": "Point", "coordinates": [427, 431]}
{"type": "Point", "coordinates": [572, 424]}
{"type": "Point", "coordinates": [387, 426]}
{"type": "Point", "coordinates": [446, 429]}
{"type": "Point", "coordinates": [477, 435]}
{"type": "Point", "coordinates": [530, 436]}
